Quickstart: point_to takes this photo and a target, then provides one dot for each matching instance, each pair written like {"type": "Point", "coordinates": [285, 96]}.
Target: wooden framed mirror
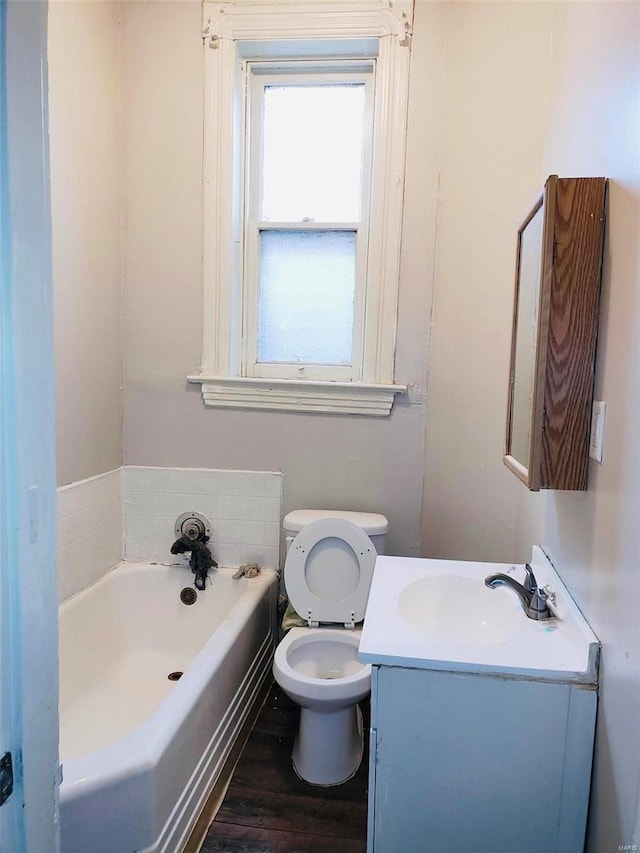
{"type": "Point", "coordinates": [555, 324]}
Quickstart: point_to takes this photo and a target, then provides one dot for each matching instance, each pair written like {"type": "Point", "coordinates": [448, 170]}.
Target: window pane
{"type": "Point", "coordinates": [305, 297]}
{"type": "Point", "coordinates": [312, 153]}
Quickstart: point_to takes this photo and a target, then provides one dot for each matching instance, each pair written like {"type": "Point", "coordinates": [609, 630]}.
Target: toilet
{"type": "Point", "coordinates": [327, 573]}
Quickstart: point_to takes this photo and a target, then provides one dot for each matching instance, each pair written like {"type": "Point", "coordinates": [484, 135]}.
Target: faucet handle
{"type": "Point", "coordinates": [538, 606]}
{"type": "Point", "coordinates": [530, 583]}
{"type": "Point", "coordinates": [551, 596]}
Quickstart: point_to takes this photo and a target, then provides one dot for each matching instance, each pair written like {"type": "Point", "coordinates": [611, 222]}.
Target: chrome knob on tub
{"type": "Point", "coordinates": [192, 530]}
{"type": "Point", "coordinates": [193, 525]}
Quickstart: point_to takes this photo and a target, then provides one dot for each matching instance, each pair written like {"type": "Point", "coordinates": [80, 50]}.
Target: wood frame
{"type": "Point", "coordinates": [568, 310]}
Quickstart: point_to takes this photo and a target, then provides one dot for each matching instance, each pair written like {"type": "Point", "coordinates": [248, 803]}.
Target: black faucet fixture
{"type": "Point", "coordinates": [200, 561]}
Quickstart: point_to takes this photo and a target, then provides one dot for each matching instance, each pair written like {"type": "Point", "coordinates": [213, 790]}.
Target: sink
{"type": "Point", "coordinates": [456, 609]}
{"type": "Point", "coordinates": [439, 615]}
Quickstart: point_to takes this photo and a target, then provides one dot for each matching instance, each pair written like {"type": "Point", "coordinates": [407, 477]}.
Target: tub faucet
{"type": "Point", "coordinates": [534, 600]}
{"type": "Point", "coordinates": [201, 560]}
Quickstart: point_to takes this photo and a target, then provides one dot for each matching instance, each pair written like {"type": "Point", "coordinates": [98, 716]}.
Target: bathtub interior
{"type": "Point", "coordinates": [135, 632]}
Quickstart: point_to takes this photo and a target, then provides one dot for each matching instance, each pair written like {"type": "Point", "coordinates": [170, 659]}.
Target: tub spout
{"type": "Point", "coordinates": [200, 561]}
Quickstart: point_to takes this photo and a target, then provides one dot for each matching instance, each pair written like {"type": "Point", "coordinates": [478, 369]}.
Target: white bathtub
{"type": "Point", "coordinates": [140, 753]}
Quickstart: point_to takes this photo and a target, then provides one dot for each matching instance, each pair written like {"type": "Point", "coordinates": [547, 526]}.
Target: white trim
{"type": "Point", "coordinates": [387, 193]}
{"type": "Point", "coordinates": [29, 666]}
{"type": "Point", "coordinates": [248, 20]}
{"type": "Point", "coordinates": [347, 398]}
{"type": "Point", "coordinates": [234, 32]}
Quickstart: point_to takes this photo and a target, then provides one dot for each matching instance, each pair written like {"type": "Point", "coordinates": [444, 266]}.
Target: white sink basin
{"type": "Point", "coordinates": [438, 614]}
{"type": "Point", "coordinates": [455, 609]}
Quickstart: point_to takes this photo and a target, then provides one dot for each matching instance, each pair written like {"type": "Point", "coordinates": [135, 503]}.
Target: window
{"type": "Point", "coordinates": [305, 113]}
{"type": "Point", "coordinates": [306, 220]}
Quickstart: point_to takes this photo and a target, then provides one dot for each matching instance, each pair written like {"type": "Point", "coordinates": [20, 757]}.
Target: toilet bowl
{"type": "Point", "coordinates": [328, 573]}
{"type": "Point", "coordinates": [319, 669]}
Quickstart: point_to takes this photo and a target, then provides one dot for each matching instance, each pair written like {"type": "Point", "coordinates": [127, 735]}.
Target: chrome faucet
{"type": "Point", "coordinates": [534, 600]}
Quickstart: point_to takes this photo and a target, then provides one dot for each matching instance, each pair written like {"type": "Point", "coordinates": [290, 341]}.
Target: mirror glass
{"type": "Point", "coordinates": [524, 363]}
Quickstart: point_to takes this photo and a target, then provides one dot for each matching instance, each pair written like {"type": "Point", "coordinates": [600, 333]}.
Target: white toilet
{"type": "Point", "coordinates": [327, 574]}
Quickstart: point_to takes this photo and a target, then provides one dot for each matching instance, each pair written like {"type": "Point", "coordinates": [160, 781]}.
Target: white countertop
{"type": "Point", "coordinates": [563, 648]}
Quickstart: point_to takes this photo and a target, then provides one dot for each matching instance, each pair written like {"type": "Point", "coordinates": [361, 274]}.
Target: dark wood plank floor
{"type": "Point", "coordinates": [268, 809]}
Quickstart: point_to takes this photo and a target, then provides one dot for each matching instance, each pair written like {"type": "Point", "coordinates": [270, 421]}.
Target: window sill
{"type": "Point", "coordinates": [290, 395]}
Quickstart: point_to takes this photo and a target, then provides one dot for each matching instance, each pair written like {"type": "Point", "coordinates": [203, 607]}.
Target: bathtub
{"type": "Point", "coordinates": [140, 752]}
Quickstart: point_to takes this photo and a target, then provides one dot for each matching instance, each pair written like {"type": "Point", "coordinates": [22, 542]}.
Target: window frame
{"type": "Point", "coordinates": [340, 30]}
{"type": "Point", "coordinates": [259, 76]}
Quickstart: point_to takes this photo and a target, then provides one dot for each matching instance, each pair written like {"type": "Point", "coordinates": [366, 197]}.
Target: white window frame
{"type": "Point", "coordinates": [345, 29]}
{"type": "Point", "coordinates": [312, 73]}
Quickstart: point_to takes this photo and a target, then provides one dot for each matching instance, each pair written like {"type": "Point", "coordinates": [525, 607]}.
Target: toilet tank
{"type": "Point", "coordinates": [373, 524]}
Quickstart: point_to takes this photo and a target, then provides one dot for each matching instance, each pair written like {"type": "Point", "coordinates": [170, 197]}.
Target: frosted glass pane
{"type": "Point", "coordinates": [312, 153]}
{"type": "Point", "coordinates": [305, 297]}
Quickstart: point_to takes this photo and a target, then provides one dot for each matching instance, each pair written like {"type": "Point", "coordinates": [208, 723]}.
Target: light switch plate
{"type": "Point", "coordinates": [596, 442]}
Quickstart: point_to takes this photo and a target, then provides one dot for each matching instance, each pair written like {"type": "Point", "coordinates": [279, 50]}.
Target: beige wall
{"type": "Point", "coordinates": [593, 128]}
{"type": "Point", "coordinates": [341, 462]}
{"type": "Point", "coordinates": [576, 68]}
{"type": "Point", "coordinates": [496, 84]}
{"type": "Point", "coordinates": [86, 182]}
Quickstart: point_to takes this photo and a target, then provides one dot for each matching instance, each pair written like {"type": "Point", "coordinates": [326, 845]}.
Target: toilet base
{"type": "Point", "coordinates": [329, 745]}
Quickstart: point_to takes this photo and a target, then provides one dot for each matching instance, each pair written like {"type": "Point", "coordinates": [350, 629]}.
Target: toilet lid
{"type": "Point", "coordinates": [328, 571]}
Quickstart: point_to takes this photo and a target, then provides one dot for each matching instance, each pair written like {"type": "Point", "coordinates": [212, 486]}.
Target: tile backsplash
{"type": "Point", "coordinates": [89, 531]}
{"type": "Point", "coordinates": [244, 508]}
{"type": "Point", "coordinates": [130, 514]}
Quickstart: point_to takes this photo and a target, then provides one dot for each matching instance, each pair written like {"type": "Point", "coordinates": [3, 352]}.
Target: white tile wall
{"type": "Point", "coordinates": [131, 512]}
{"type": "Point", "coordinates": [244, 508]}
{"type": "Point", "coordinates": [90, 531]}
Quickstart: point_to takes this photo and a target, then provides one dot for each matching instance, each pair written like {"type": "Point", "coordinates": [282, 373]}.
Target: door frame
{"type": "Point", "coordinates": [29, 587]}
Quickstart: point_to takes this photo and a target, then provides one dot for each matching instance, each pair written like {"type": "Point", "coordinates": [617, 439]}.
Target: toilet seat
{"type": "Point", "coordinates": [337, 591]}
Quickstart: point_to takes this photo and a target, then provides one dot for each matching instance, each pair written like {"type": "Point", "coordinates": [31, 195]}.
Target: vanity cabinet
{"type": "Point", "coordinates": [491, 763]}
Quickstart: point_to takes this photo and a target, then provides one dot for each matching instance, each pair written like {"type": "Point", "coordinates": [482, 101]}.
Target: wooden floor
{"type": "Point", "coordinates": [268, 809]}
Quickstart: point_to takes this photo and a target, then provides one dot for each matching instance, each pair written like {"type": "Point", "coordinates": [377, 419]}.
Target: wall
{"type": "Point", "coordinates": [496, 83]}
{"type": "Point", "coordinates": [475, 129]}
{"type": "Point", "coordinates": [86, 195]}
{"type": "Point", "coordinates": [344, 462]}
{"type": "Point", "coordinates": [130, 513]}
{"type": "Point", "coordinates": [90, 531]}
{"type": "Point", "coordinates": [593, 538]}
{"type": "Point", "coordinates": [244, 508]}
{"type": "Point", "coordinates": [530, 90]}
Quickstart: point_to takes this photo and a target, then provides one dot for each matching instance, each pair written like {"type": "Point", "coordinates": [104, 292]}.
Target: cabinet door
{"type": "Point", "coordinates": [467, 762]}
{"type": "Point", "coordinates": [555, 326]}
